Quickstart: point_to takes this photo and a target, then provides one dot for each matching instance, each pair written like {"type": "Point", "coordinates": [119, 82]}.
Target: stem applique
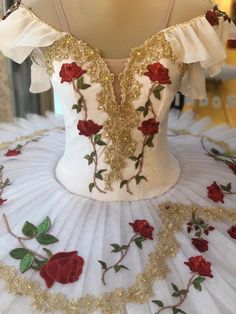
{"type": "Point", "coordinates": [72, 73]}
{"type": "Point", "coordinates": [18, 150]}
{"type": "Point", "coordinates": [149, 128]}
{"type": "Point", "coordinates": [3, 184]}
{"type": "Point", "coordinates": [91, 130]}
{"type": "Point", "coordinates": [227, 157]}
{"type": "Point", "coordinates": [200, 269]}
{"type": "Point", "coordinates": [29, 258]}
{"type": "Point", "coordinates": [143, 231]}
{"type": "Point", "coordinates": [200, 228]}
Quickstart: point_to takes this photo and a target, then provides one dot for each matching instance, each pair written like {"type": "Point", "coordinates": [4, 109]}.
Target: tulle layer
{"type": "Point", "coordinates": [90, 226]}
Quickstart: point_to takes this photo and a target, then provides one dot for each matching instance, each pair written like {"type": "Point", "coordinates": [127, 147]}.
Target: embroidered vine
{"type": "Point", "coordinates": [3, 185]}
{"type": "Point", "coordinates": [159, 76]}
{"type": "Point", "coordinates": [18, 149]}
{"type": "Point", "coordinates": [228, 157]}
{"type": "Point", "coordinates": [217, 192]}
{"type": "Point", "coordinates": [213, 16]}
{"type": "Point", "coordinates": [143, 231]}
{"type": "Point", "coordinates": [49, 266]}
{"type": "Point", "coordinates": [200, 269]}
{"type": "Point", "coordinates": [72, 73]}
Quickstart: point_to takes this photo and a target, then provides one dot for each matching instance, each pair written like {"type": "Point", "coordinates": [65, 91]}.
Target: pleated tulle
{"type": "Point", "coordinates": [90, 226]}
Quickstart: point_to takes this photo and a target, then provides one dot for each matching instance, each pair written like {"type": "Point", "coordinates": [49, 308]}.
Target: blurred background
{"type": "Point", "coordinates": [17, 101]}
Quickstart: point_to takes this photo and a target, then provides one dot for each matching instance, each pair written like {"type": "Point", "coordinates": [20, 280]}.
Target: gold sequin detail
{"type": "Point", "coordinates": [173, 217]}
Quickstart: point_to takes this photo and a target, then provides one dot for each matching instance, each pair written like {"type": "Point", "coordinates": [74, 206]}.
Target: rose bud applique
{"type": "Point", "coordinates": [143, 228]}
{"type": "Point", "coordinates": [88, 127]}
{"type": "Point", "coordinates": [63, 267]}
{"type": "Point", "coordinates": [200, 244]}
{"type": "Point", "coordinates": [149, 127]}
{"type": "Point", "coordinates": [212, 18]}
{"type": "Point", "coordinates": [2, 201]}
{"type": "Point", "coordinates": [215, 193]}
{"type": "Point", "coordinates": [199, 265]}
{"type": "Point", "coordinates": [12, 152]}
{"type": "Point", "coordinates": [232, 232]}
{"type": "Point", "coordinates": [70, 71]}
{"type": "Point", "coordinates": [158, 73]}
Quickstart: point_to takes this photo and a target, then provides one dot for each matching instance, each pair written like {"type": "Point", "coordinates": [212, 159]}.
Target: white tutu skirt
{"type": "Point", "coordinates": [156, 268]}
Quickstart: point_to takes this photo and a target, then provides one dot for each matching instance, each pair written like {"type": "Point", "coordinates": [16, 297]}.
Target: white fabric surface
{"type": "Point", "coordinates": [89, 226]}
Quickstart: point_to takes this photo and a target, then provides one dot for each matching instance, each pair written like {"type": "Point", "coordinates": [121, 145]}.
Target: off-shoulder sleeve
{"type": "Point", "coordinates": [21, 35]}
{"type": "Point", "coordinates": [201, 45]}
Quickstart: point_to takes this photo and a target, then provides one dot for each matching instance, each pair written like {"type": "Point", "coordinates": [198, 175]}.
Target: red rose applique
{"type": "Point", "coordinates": [215, 193]}
{"type": "Point", "coordinates": [149, 127]}
{"type": "Point", "coordinates": [158, 73]}
{"type": "Point", "coordinates": [143, 228]}
{"type": "Point", "coordinates": [200, 244]}
{"type": "Point", "coordinates": [70, 71]}
{"type": "Point", "coordinates": [198, 264]}
{"type": "Point", "coordinates": [212, 18]}
{"type": "Point", "coordinates": [232, 232]}
{"type": "Point", "coordinates": [232, 166]}
{"type": "Point", "coordinates": [13, 152]}
{"type": "Point", "coordinates": [2, 201]}
{"type": "Point", "coordinates": [88, 127]}
{"type": "Point", "coordinates": [63, 267]}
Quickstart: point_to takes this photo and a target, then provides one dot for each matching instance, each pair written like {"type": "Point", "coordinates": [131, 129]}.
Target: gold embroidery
{"type": "Point", "coordinates": [173, 216]}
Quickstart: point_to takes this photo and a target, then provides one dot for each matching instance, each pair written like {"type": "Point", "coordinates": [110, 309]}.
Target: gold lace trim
{"type": "Point", "coordinates": [173, 216]}
{"type": "Point", "coordinates": [34, 135]}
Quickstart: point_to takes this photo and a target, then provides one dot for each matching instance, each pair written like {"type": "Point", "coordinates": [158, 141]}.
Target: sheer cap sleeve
{"type": "Point", "coordinates": [22, 35]}
{"type": "Point", "coordinates": [200, 43]}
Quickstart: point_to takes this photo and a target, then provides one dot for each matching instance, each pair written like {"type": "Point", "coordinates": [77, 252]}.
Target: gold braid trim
{"type": "Point", "coordinates": [173, 217]}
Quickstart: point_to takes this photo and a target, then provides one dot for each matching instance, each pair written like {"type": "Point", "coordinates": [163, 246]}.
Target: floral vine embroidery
{"type": "Point", "coordinates": [227, 157]}
{"type": "Point", "coordinates": [18, 149]}
{"type": "Point", "coordinates": [62, 267]}
{"type": "Point", "coordinates": [159, 76]}
{"type": "Point", "coordinates": [3, 184]}
{"type": "Point", "coordinates": [143, 231]}
{"type": "Point", "coordinates": [200, 269]}
{"type": "Point", "coordinates": [72, 73]}
{"type": "Point", "coordinates": [217, 192]}
{"type": "Point", "coordinates": [212, 16]}
{"type": "Point", "coordinates": [199, 226]}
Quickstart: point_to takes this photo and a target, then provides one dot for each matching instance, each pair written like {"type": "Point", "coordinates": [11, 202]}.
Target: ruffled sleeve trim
{"type": "Point", "coordinates": [201, 46]}
{"type": "Point", "coordinates": [22, 35]}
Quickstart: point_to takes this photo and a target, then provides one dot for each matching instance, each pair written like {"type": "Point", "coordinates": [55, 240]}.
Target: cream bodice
{"type": "Point", "coordinates": [116, 110]}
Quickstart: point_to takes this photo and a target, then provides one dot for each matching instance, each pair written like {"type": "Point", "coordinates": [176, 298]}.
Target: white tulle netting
{"type": "Point", "coordinates": [90, 226]}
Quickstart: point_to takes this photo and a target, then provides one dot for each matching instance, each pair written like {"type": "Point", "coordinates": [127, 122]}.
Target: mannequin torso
{"type": "Point", "coordinates": [114, 27]}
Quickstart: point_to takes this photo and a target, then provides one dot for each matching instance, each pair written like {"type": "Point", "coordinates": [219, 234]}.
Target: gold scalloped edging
{"type": "Point", "coordinates": [173, 216]}
{"type": "Point", "coordinates": [223, 144]}
{"type": "Point", "coordinates": [34, 135]}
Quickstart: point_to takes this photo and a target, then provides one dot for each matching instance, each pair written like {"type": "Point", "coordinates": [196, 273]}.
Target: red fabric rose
{"type": "Point", "coordinates": [88, 127]}
{"type": "Point", "coordinates": [212, 18]}
{"type": "Point", "coordinates": [63, 267]}
{"type": "Point", "coordinates": [143, 228]}
{"type": "Point", "coordinates": [2, 201]}
{"type": "Point", "coordinates": [198, 264]}
{"type": "Point", "coordinates": [200, 244]}
{"type": "Point", "coordinates": [215, 193]}
{"type": "Point", "coordinates": [232, 232]}
{"type": "Point", "coordinates": [13, 152]}
{"type": "Point", "coordinates": [149, 127]}
{"type": "Point", "coordinates": [233, 167]}
{"type": "Point", "coordinates": [158, 73]}
{"type": "Point", "coordinates": [70, 71]}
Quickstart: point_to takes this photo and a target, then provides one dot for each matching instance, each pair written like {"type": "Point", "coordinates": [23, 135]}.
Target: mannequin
{"type": "Point", "coordinates": [114, 27]}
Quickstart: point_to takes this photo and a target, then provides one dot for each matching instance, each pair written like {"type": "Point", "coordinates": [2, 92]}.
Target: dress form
{"type": "Point", "coordinates": [111, 26]}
